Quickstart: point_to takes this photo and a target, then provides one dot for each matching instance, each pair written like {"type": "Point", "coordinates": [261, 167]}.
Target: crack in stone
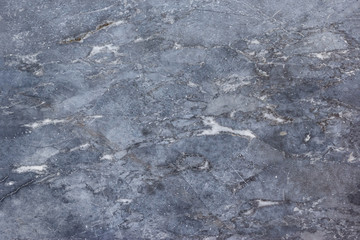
{"type": "Point", "coordinates": [28, 183]}
{"type": "Point", "coordinates": [81, 37]}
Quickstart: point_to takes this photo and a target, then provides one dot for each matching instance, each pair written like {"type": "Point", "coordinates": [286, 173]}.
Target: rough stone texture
{"type": "Point", "coordinates": [189, 119]}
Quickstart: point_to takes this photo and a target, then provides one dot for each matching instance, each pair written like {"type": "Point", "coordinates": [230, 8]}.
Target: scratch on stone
{"type": "Point", "coordinates": [97, 10]}
{"type": "Point", "coordinates": [124, 200]}
{"type": "Point", "coordinates": [44, 123]}
{"type": "Point", "coordinates": [351, 158]}
{"type": "Point", "coordinates": [218, 129]}
{"type": "Point", "coordinates": [270, 116]}
{"type": "Point", "coordinates": [81, 147]}
{"type": "Point", "coordinates": [106, 48]}
{"type": "Point", "coordinates": [265, 203]}
{"type": "Point", "coordinates": [239, 175]}
{"type": "Point", "coordinates": [322, 55]}
{"type": "Point", "coordinates": [36, 169]}
{"type": "Point", "coordinates": [107, 157]}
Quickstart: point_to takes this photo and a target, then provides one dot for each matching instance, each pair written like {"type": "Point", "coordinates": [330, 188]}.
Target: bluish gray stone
{"type": "Point", "coordinates": [191, 119]}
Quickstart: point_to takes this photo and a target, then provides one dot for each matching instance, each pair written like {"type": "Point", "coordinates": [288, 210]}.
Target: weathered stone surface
{"type": "Point", "coordinates": [190, 119]}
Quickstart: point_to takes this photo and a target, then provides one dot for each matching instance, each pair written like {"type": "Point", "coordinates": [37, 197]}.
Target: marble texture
{"type": "Point", "coordinates": [189, 119]}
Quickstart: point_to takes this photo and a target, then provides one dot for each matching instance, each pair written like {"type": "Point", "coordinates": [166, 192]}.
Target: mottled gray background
{"type": "Point", "coordinates": [189, 119]}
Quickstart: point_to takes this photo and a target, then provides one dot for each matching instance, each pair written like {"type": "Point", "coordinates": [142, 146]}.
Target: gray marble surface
{"type": "Point", "coordinates": [189, 119]}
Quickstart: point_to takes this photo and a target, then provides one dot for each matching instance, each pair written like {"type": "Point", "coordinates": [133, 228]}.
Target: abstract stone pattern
{"type": "Point", "coordinates": [188, 119]}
